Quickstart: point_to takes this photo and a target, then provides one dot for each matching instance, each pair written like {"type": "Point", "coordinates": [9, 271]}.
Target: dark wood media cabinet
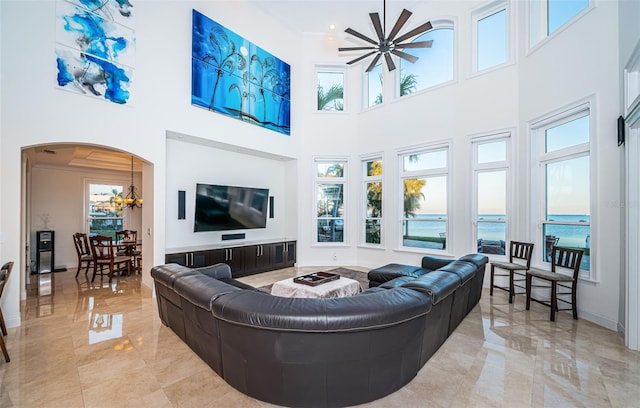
{"type": "Point", "coordinates": [244, 260]}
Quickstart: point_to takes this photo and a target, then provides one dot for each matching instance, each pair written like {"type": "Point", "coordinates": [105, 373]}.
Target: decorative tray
{"type": "Point", "coordinates": [317, 278]}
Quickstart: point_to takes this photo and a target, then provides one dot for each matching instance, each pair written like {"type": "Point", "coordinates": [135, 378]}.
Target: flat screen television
{"type": "Point", "coordinates": [223, 208]}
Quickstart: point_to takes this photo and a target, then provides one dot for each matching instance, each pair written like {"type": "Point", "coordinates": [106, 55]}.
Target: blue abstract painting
{"type": "Point", "coordinates": [233, 76]}
{"type": "Point", "coordinates": [119, 11]}
{"type": "Point", "coordinates": [95, 55]}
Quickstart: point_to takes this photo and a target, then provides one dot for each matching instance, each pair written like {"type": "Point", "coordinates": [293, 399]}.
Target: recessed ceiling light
{"type": "Point", "coordinates": [332, 26]}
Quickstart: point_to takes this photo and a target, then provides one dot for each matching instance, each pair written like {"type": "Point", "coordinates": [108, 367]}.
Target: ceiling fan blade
{"type": "Point", "coordinates": [355, 48]}
{"type": "Point", "coordinates": [418, 30]}
{"type": "Point", "coordinates": [373, 63]}
{"type": "Point", "coordinates": [375, 20]}
{"type": "Point", "coordinates": [361, 57]}
{"type": "Point", "coordinates": [360, 36]}
{"type": "Point", "coordinates": [418, 44]}
{"type": "Point", "coordinates": [390, 65]}
{"type": "Point", "coordinates": [404, 55]}
{"type": "Point", "coordinates": [402, 20]}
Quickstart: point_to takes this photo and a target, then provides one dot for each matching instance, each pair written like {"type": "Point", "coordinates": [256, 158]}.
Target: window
{"type": "Point", "coordinates": [330, 89]}
{"type": "Point", "coordinates": [105, 216]}
{"type": "Point", "coordinates": [372, 208]}
{"type": "Point", "coordinates": [491, 36]}
{"type": "Point", "coordinates": [548, 16]}
{"type": "Point", "coordinates": [425, 197]}
{"type": "Point", "coordinates": [374, 86]}
{"type": "Point", "coordinates": [491, 175]}
{"type": "Point", "coordinates": [434, 65]}
{"type": "Point", "coordinates": [330, 207]}
{"type": "Point", "coordinates": [562, 179]}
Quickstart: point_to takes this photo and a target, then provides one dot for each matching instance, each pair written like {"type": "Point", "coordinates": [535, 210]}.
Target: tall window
{"type": "Point", "coordinates": [491, 35]}
{"type": "Point", "coordinates": [491, 175]}
{"type": "Point", "coordinates": [330, 190]}
{"type": "Point", "coordinates": [424, 177]}
{"type": "Point", "coordinates": [105, 216]}
{"type": "Point", "coordinates": [374, 86]}
{"type": "Point", "coordinates": [563, 194]}
{"type": "Point", "coordinates": [330, 89]}
{"type": "Point", "coordinates": [434, 65]}
{"type": "Point", "coordinates": [372, 187]}
{"type": "Point", "coordinates": [548, 16]}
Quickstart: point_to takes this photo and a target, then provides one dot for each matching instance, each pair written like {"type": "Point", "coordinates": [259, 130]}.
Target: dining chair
{"type": "Point", "coordinates": [102, 248]}
{"type": "Point", "coordinates": [83, 250]}
{"type": "Point", "coordinates": [5, 271]}
{"type": "Point", "coordinates": [561, 259]}
{"type": "Point", "coordinates": [130, 237]}
{"type": "Point", "coordinates": [519, 263]}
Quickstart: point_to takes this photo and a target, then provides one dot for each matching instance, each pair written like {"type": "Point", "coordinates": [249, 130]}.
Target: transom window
{"type": "Point", "coordinates": [330, 185]}
{"type": "Point", "coordinates": [424, 175]}
{"type": "Point", "coordinates": [374, 82]}
{"type": "Point", "coordinates": [491, 42]}
{"type": "Point", "coordinates": [330, 89]}
{"type": "Point", "coordinates": [435, 65]}
{"type": "Point", "coordinates": [549, 16]}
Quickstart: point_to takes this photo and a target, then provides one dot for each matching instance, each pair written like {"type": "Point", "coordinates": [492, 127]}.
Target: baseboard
{"type": "Point", "coordinates": [12, 321]}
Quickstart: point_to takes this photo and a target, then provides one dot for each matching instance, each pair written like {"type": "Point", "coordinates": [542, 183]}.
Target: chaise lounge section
{"type": "Point", "coordinates": [315, 352]}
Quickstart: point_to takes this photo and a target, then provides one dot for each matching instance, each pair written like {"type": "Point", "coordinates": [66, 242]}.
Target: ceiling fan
{"type": "Point", "coordinates": [386, 45]}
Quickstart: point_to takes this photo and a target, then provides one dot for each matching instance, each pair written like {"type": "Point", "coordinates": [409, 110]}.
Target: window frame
{"type": "Point", "coordinates": [366, 89]}
{"type": "Point", "coordinates": [365, 179]}
{"type": "Point", "coordinates": [539, 160]}
{"type": "Point", "coordinates": [481, 13]}
{"type": "Point", "coordinates": [402, 175]}
{"type": "Point", "coordinates": [537, 22]}
{"type": "Point", "coordinates": [437, 24]}
{"type": "Point", "coordinates": [331, 69]}
{"type": "Point", "coordinates": [87, 182]}
{"type": "Point", "coordinates": [477, 168]}
{"type": "Point", "coordinates": [317, 181]}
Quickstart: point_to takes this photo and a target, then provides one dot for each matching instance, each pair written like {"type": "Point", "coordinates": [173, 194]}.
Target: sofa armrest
{"type": "Point", "coordinates": [217, 271]}
{"type": "Point", "coordinates": [432, 263]}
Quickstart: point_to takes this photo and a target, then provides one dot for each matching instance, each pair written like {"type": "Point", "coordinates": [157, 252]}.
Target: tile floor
{"type": "Point", "coordinates": [102, 345]}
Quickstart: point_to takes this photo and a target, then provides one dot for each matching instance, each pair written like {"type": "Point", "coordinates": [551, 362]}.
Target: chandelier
{"type": "Point", "coordinates": [132, 199]}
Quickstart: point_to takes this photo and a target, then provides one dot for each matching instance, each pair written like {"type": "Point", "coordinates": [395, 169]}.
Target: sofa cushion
{"type": "Point", "coordinates": [201, 289]}
{"type": "Point", "coordinates": [464, 270]}
{"type": "Point", "coordinates": [394, 283]}
{"type": "Point", "coordinates": [392, 271]}
{"type": "Point", "coordinates": [438, 284]}
{"type": "Point", "coordinates": [167, 274]}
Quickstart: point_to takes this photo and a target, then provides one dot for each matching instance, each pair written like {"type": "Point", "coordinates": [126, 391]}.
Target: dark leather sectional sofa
{"type": "Point", "coordinates": [318, 352]}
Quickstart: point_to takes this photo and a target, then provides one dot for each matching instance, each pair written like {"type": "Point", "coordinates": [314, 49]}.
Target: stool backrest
{"type": "Point", "coordinates": [521, 250]}
{"type": "Point", "coordinates": [569, 258]}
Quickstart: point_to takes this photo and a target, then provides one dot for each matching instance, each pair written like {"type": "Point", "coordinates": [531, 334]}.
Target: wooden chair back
{"type": "Point", "coordinates": [521, 250]}
{"type": "Point", "coordinates": [568, 258]}
{"type": "Point", "coordinates": [82, 244]}
{"type": "Point", "coordinates": [5, 271]}
{"type": "Point", "coordinates": [102, 248]}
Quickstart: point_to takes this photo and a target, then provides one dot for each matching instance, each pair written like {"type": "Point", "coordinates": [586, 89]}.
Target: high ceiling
{"type": "Point", "coordinates": [315, 16]}
{"type": "Point", "coordinates": [81, 156]}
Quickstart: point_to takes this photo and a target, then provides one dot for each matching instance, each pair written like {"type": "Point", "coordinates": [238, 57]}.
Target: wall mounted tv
{"type": "Point", "coordinates": [223, 208]}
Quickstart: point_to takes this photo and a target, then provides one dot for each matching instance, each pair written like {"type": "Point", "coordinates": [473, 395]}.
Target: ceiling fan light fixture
{"type": "Point", "coordinates": [386, 45]}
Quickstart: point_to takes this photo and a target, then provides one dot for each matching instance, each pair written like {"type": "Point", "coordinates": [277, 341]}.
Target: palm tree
{"type": "Point", "coordinates": [225, 56]}
{"type": "Point", "coordinates": [408, 85]}
{"type": "Point", "coordinates": [334, 94]}
{"type": "Point", "coordinates": [412, 196]}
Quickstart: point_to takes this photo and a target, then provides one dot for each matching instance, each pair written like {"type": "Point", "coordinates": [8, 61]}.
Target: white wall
{"type": "Point", "coordinates": [191, 164]}
{"type": "Point", "coordinates": [34, 111]}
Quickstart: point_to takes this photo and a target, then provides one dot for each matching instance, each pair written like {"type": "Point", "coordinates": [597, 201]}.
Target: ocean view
{"type": "Point", "coordinates": [432, 227]}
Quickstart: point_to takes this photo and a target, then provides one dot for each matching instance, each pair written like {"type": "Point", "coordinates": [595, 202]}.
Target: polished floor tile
{"type": "Point", "coordinates": [84, 344]}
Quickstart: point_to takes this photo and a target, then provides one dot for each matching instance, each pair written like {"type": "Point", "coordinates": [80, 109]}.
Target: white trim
{"type": "Point", "coordinates": [481, 13]}
{"type": "Point", "coordinates": [632, 249]}
{"type": "Point", "coordinates": [536, 15]}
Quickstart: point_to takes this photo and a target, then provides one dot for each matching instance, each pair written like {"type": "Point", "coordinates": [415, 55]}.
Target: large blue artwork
{"type": "Point", "coordinates": [95, 52]}
{"type": "Point", "coordinates": [233, 76]}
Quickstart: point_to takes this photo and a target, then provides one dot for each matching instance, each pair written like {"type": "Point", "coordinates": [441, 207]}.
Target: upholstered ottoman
{"type": "Point", "coordinates": [392, 271]}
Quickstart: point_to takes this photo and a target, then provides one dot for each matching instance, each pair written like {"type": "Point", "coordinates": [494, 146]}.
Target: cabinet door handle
{"type": "Point", "coordinates": [230, 254]}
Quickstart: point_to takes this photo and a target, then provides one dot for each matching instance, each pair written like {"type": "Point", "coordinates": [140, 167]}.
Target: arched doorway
{"type": "Point", "coordinates": [68, 188]}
